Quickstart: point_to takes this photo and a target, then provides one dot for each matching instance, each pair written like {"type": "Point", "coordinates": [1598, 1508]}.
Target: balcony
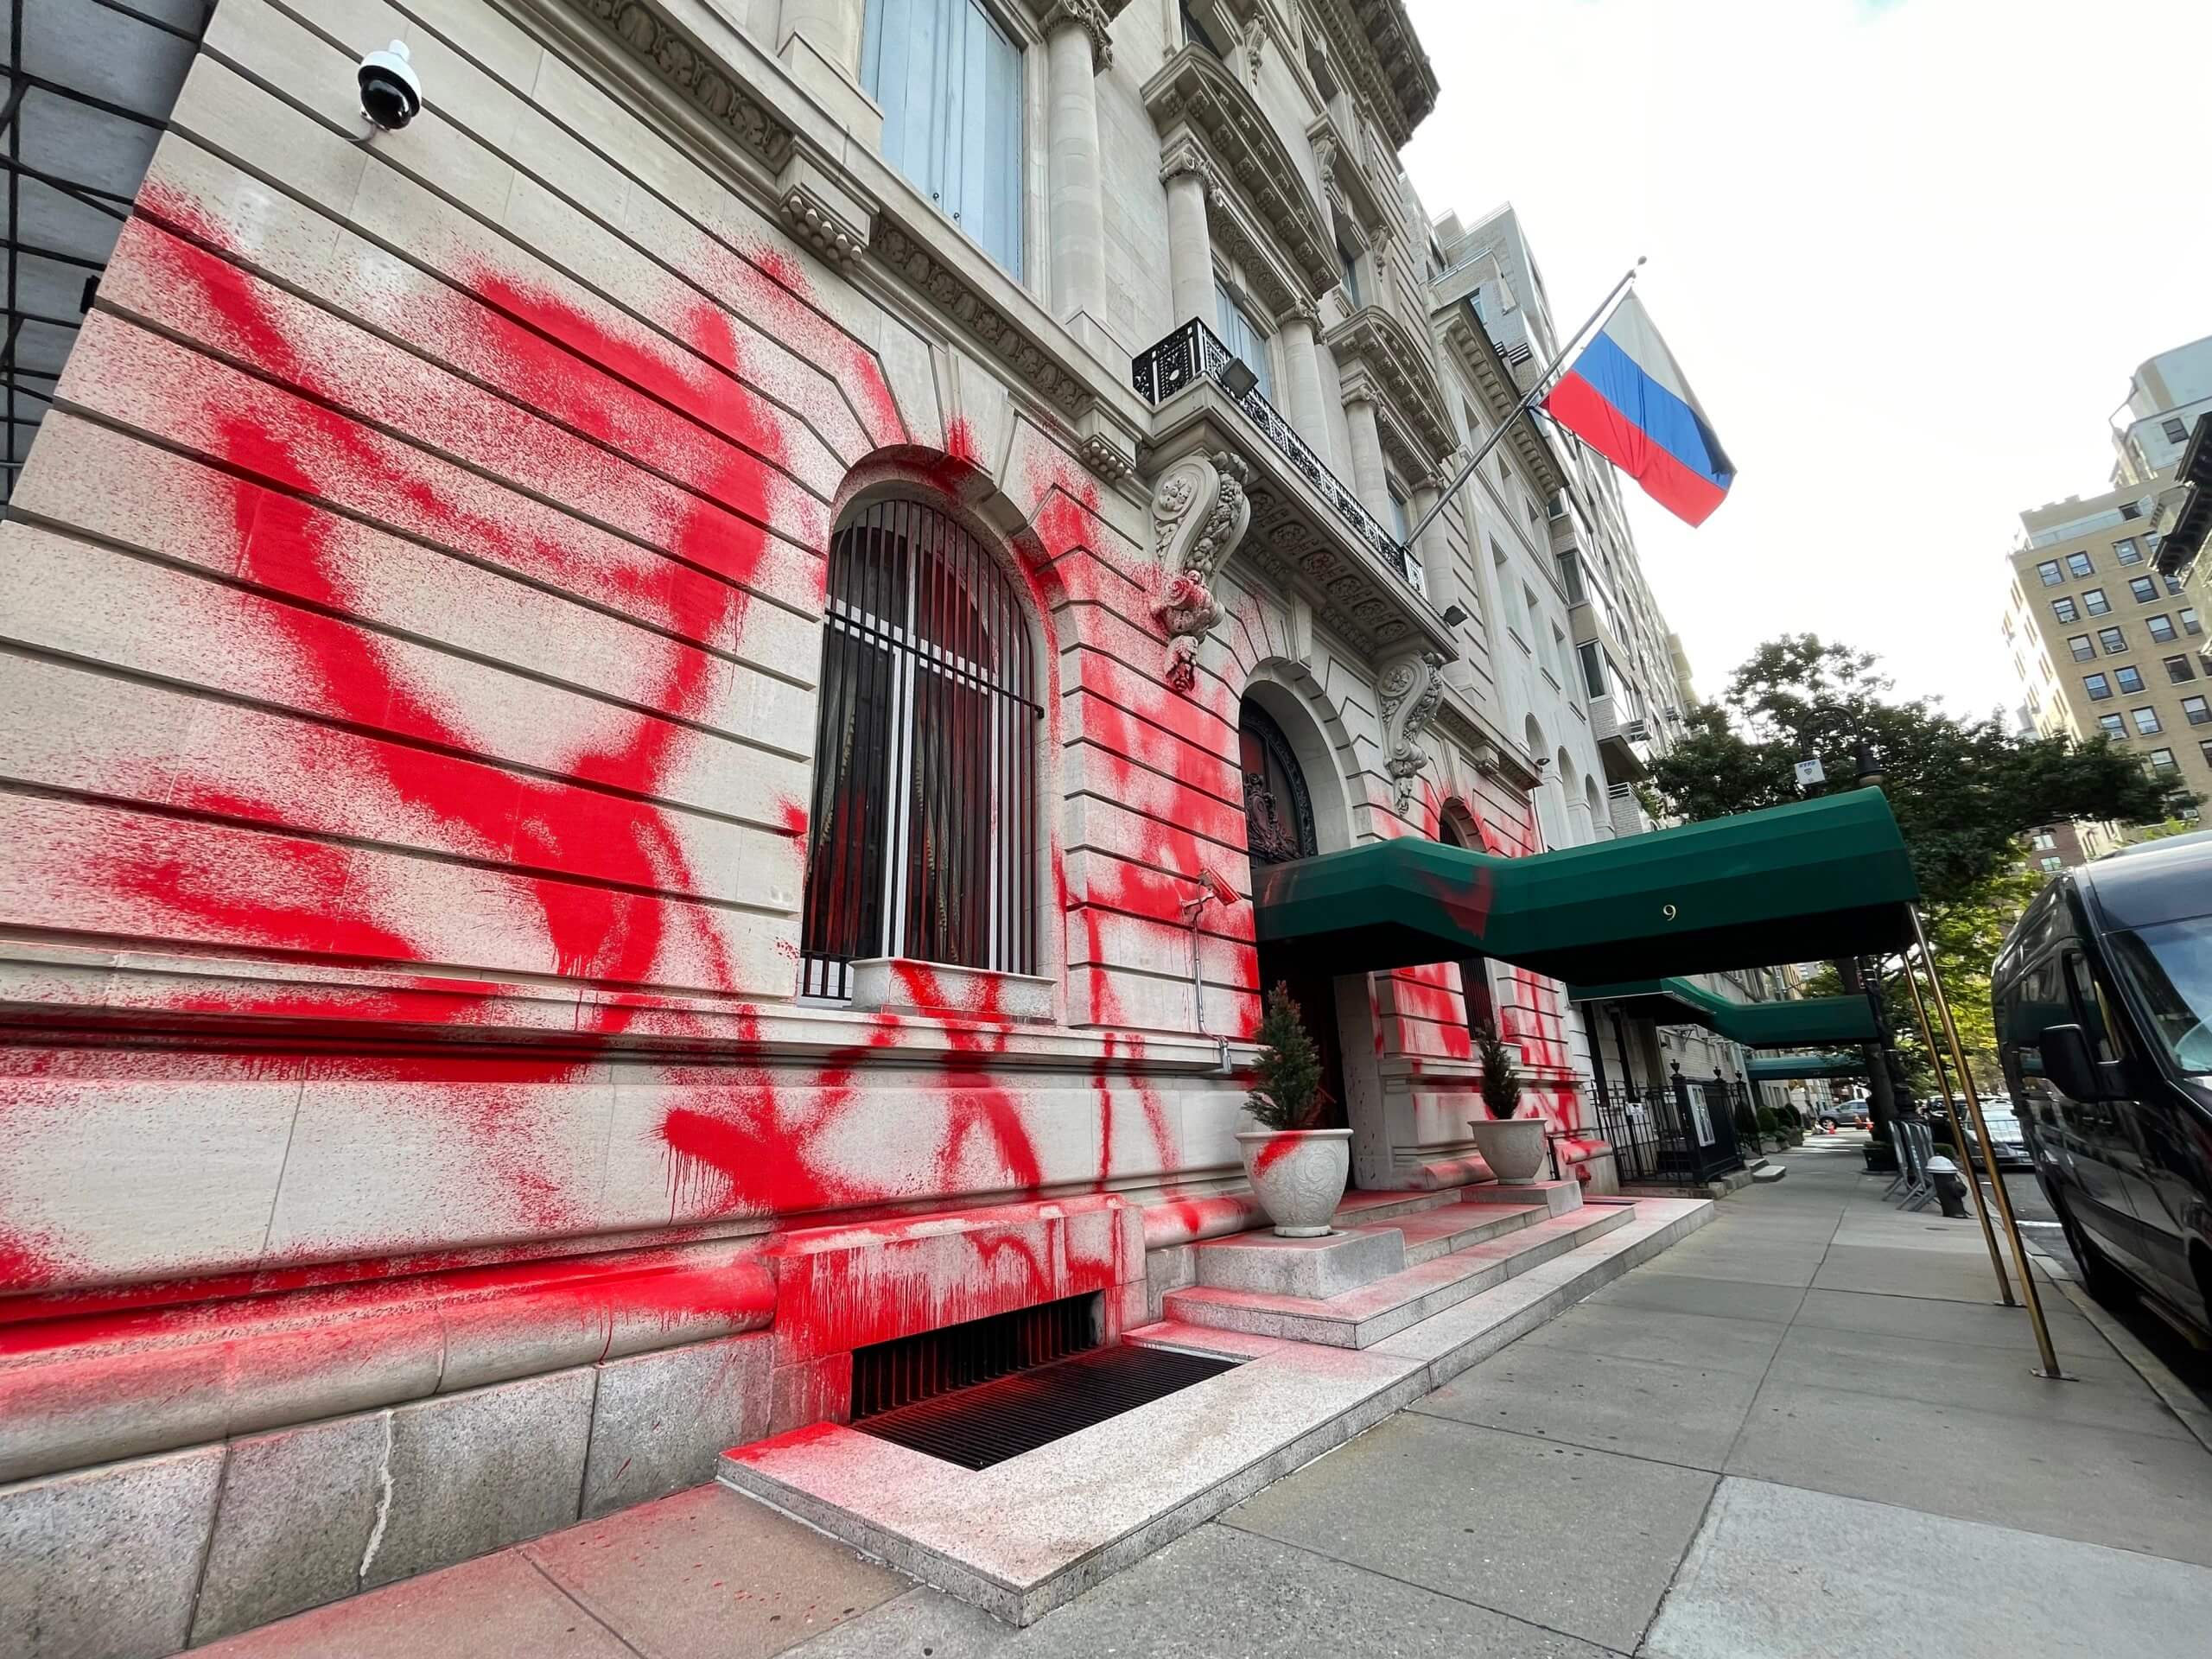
{"type": "Point", "coordinates": [1624, 745]}
{"type": "Point", "coordinates": [1308, 529]}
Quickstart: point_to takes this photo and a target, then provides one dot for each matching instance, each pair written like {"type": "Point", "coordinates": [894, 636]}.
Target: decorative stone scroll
{"type": "Point", "coordinates": [1412, 686]}
{"type": "Point", "coordinates": [1200, 513]}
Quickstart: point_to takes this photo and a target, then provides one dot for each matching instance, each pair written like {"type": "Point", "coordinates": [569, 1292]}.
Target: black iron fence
{"type": "Point", "coordinates": [1194, 352]}
{"type": "Point", "coordinates": [1683, 1135]}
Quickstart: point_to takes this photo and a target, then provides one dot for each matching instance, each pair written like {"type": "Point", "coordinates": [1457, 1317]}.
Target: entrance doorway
{"type": "Point", "coordinates": [1279, 827]}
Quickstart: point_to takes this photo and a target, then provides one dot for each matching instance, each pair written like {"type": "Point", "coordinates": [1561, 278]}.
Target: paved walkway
{"type": "Point", "coordinates": [1806, 1430]}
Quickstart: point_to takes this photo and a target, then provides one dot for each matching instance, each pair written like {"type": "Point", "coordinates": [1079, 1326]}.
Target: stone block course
{"type": "Point", "coordinates": [470, 1472]}
{"type": "Point", "coordinates": [104, 1560]}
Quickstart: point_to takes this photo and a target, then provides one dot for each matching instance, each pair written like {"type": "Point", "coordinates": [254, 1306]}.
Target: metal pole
{"type": "Point", "coordinates": [1528, 400]}
{"type": "Point", "coordinates": [1959, 1133]}
{"type": "Point", "coordinates": [1981, 1131]}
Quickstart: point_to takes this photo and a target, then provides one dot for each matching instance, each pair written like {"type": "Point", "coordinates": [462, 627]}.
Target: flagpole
{"type": "Point", "coordinates": [1541, 384]}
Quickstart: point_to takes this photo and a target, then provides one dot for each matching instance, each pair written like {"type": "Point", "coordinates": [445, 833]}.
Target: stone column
{"type": "Point", "coordinates": [1304, 400]}
{"type": "Point", "coordinates": [1432, 550]}
{"type": "Point", "coordinates": [1190, 239]}
{"type": "Point", "coordinates": [1370, 480]}
{"type": "Point", "coordinates": [1076, 48]}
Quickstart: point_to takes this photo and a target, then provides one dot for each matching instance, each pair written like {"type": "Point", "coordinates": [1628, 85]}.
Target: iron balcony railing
{"type": "Point", "coordinates": [1194, 352]}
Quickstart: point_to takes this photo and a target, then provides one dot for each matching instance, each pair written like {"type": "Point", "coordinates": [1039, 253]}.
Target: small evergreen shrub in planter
{"type": "Point", "coordinates": [1298, 1172]}
{"type": "Point", "coordinates": [1512, 1146]}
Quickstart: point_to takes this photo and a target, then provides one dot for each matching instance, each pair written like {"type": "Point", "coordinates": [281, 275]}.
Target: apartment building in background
{"type": "Point", "coordinates": [2102, 640]}
{"type": "Point", "coordinates": [2166, 397]}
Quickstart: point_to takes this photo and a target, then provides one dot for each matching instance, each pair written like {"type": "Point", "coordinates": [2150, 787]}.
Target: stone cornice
{"type": "Point", "coordinates": [1193, 95]}
{"type": "Point", "coordinates": [1375, 343]}
{"type": "Point", "coordinates": [1469, 342]}
{"type": "Point", "coordinates": [675, 58]}
{"type": "Point", "coordinates": [1345, 181]}
{"type": "Point", "coordinates": [1373, 42]}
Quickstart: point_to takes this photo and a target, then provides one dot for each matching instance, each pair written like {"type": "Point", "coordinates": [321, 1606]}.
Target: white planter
{"type": "Point", "coordinates": [1512, 1147]}
{"type": "Point", "coordinates": [1298, 1175]}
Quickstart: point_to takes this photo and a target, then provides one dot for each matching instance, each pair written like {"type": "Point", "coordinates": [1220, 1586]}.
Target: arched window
{"type": "Point", "coordinates": [923, 838]}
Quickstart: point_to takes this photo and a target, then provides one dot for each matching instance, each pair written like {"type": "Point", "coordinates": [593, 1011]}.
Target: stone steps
{"type": "Point", "coordinates": [1455, 1227]}
{"type": "Point", "coordinates": [1363, 1317]}
{"type": "Point", "coordinates": [1025, 1535]}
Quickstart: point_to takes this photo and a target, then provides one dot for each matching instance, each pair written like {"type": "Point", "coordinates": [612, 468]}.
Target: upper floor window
{"type": "Point", "coordinates": [2078, 564]}
{"type": "Point", "coordinates": [2144, 589]}
{"type": "Point", "coordinates": [2125, 551]}
{"type": "Point", "coordinates": [922, 841]}
{"type": "Point", "coordinates": [2052, 574]}
{"type": "Point", "coordinates": [949, 81]}
{"type": "Point", "coordinates": [2113, 641]}
{"type": "Point", "coordinates": [2196, 711]}
{"type": "Point", "coordinates": [2146, 722]}
{"type": "Point", "coordinates": [1593, 668]}
{"type": "Point", "coordinates": [2188, 624]}
{"type": "Point", "coordinates": [2130, 678]}
{"type": "Point", "coordinates": [1196, 32]}
{"type": "Point", "coordinates": [2096, 603]}
{"type": "Point", "coordinates": [2174, 583]}
{"type": "Point", "coordinates": [2179, 670]}
{"type": "Point", "coordinates": [1402, 532]}
{"type": "Point", "coordinates": [1348, 269]}
{"type": "Point", "coordinates": [2130, 510]}
{"type": "Point", "coordinates": [2082, 650]}
{"type": "Point", "coordinates": [2162, 760]}
{"type": "Point", "coordinates": [2161, 626]}
{"type": "Point", "coordinates": [2176, 429]}
{"type": "Point", "coordinates": [2066, 611]}
{"type": "Point", "coordinates": [2112, 726]}
{"type": "Point", "coordinates": [1242, 336]}
{"type": "Point", "coordinates": [2097, 686]}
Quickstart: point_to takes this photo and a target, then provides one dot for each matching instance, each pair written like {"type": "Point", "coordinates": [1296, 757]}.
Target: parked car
{"type": "Point", "coordinates": [1843, 1114]}
{"type": "Point", "coordinates": [2103, 999]}
{"type": "Point", "coordinates": [2003, 1129]}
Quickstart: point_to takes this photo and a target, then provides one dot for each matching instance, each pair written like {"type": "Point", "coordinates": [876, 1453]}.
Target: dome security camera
{"type": "Point", "coordinates": [391, 94]}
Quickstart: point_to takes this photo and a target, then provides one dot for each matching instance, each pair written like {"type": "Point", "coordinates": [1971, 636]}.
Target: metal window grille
{"type": "Point", "coordinates": [923, 837]}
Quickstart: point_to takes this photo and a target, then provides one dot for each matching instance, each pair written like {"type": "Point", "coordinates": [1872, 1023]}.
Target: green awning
{"type": "Point", "coordinates": [1755, 1025]}
{"type": "Point", "coordinates": [1780, 1068]}
{"type": "Point", "coordinates": [1828, 877]}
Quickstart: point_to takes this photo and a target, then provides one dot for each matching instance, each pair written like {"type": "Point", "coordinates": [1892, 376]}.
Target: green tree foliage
{"type": "Point", "coordinates": [1501, 1082]}
{"type": "Point", "coordinates": [1963, 791]}
{"type": "Point", "coordinates": [1287, 1091]}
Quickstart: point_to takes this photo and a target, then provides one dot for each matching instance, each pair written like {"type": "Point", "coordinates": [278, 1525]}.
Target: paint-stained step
{"type": "Point", "coordinates": [1364, 1316]}
{"type": "Point", "coordinates": [1025, 1536]}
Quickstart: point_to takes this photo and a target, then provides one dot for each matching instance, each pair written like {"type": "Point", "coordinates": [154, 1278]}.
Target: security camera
{"type": "Point", "coordinates": [391, 94]}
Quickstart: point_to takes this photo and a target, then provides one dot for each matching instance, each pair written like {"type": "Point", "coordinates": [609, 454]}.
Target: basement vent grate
{"type": "Point", "coordinates": [989, 1422]}
{"type": "Point", "coordinates": [889, 1374]}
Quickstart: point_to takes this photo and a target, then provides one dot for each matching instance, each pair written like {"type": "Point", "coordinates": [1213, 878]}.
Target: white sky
{"type": "Point", "coordinates": [1907, 251]}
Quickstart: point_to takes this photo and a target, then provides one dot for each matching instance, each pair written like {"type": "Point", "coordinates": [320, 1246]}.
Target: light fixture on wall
{"type": "Point", "coordinates": [1454, 614]}
{"type": "Point", "coordinates": [1237, 380]}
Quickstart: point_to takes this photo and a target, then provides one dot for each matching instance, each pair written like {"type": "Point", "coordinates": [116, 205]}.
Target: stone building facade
{"type": "Point", "coordinates": [641, 715]}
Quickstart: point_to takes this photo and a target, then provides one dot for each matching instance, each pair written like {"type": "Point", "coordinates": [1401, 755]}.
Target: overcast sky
{"type": "Point", "coordinates": [1907, 251]}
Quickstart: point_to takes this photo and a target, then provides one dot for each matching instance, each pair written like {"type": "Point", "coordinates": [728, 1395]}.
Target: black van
{"type": "Point", "coordinates": [2103, 999]}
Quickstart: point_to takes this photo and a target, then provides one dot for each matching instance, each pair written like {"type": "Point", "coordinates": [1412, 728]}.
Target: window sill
{"type": "Point", "coordinates": [896, 985]}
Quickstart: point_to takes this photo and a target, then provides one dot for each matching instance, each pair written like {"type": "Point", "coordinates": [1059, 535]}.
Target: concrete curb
{"type": "Point", "coordinates": [2170, 1389]}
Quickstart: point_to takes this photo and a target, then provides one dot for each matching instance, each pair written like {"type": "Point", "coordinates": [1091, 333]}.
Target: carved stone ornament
{"type": "Point", "coordinates": [1200, 513]}
{"type": "Point", "coordinates": [1411, 688]}
{"type": "Point", "coordinates": [1255, 36]}
{"type": "Point", "coordinates": [1094, 20]}
{"type": "Point", "coordinates": [693, 72]}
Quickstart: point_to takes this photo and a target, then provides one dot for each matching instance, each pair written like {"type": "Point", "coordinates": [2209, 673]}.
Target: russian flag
{"type": "Point", "coordinates": [1626, 398]}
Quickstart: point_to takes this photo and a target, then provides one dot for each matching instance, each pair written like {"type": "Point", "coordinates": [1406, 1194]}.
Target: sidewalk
{"type": "Point", "coordinates": [1805, 1430]}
